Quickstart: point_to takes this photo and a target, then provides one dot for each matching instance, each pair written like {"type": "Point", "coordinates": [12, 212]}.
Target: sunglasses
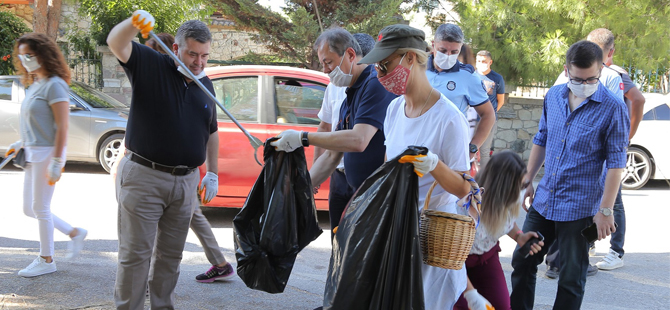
{"type": "Point", "coordinates": [26, 57]}
{"type": "Point", "coordinates": [382, 66]}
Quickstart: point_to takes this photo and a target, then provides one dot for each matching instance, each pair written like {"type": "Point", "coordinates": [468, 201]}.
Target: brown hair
{"type": "Point", "coordinates": [48, 54]}
{"type": "Point", "coordinates": [502, 180]}
{"type": "Point", "coordinates": [167, 38]}
{"type": "Point", "coordinates": [466, 55]}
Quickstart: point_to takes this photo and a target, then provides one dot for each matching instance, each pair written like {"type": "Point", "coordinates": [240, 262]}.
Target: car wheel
{"type": "Point", "coordinates": [109, 149]}
{"type": "Point", "coordinates": [638, 169]}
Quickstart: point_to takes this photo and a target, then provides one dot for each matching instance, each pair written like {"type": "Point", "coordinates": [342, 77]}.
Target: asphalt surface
{"type": "Point", "coordinates": [85, 198]}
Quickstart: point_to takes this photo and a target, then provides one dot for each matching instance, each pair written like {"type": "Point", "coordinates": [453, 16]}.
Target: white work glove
{"type": "Point", "coordinates": [14, 147]}
{"type": "Point", "coordinates": [425, 164]}
{"type": "Point", "coordinates": [54, 170]}
{"type": "Point", "coordinates": [210, 185]}
{"type": "Point", "coordinates": [289, 141]}
{"type": "Point", "coordinates": [477, 301]}
{"type": "Point", "coordinates": [143, 21]}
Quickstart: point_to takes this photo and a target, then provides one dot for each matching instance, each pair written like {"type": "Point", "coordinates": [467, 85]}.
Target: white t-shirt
{"type": "Point", "coordinates": [443, 129]}
{"type": "Point", "coordinates": [330, 108]}
{"type": "Point", "coordinates": [484, 241]}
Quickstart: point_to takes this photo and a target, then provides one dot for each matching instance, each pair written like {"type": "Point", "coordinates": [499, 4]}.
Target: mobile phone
{"type": "Point", "coordinates": [525, 249]}
{"type": "Point", "coordinates": [591, 232]}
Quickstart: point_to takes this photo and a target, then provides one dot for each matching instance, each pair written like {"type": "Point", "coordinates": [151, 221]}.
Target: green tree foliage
{"type": "Point", "coordinates": [292, 36]}
{"type": "Point", "coordinates": [11, 28]}
{"type": "Point", "coordinates": [528, 38]}
{"type": "Point", "coordinates": [169, 14]}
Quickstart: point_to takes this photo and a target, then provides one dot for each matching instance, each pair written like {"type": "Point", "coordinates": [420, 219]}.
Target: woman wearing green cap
{"type": "Point", "coordinates": [423, 116]}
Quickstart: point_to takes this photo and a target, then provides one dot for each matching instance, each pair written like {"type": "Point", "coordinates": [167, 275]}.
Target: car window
{"type": "Point", "coordinates": [649, 116]}
{"type": "Point", "coordinates": [94, 97]}
{"type": "Point", "coordinates": [662, 112]}
{"type": "Point", "coordinates": [6, 89]}
{"type": "Point", "coordinates": [239, 95]}
{"type": "Point", "coordinates": [298, 101]}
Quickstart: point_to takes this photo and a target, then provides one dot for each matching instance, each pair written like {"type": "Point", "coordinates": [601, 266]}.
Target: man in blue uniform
{"type": "Point", "coordinates": [458, 83]}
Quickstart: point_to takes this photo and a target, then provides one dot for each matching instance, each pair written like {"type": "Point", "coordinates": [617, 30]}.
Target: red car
{"type": "Point", "coordinates": [266, 100]}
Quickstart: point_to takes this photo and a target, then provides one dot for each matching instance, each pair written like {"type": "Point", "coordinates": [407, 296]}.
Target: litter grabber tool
{"type": "Point", "coordinates": [255, 142]}
{"type": "Point", "coordinates": [7, 160]}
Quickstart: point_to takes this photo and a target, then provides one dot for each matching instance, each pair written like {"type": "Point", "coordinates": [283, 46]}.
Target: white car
{"type": "Point", "coordinates": [649, 152]}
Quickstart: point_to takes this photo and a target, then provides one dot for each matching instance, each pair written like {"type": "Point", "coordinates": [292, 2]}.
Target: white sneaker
{"type": "Point", "coordinates": [76, 244]}
{"type": "Point", "coordinates": [611, 261]}
{"type": "Point", "coordinates": [38, 267]}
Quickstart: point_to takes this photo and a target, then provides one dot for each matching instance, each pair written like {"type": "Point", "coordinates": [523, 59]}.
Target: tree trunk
{"type": "Point", "coordinates": [40, 16]}
{"type": "Point", "coordinates": [53, 19]}
{"type": "Point", "coordinates": [46, 17]}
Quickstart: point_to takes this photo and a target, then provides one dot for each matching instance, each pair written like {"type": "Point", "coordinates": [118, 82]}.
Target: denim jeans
{"type": "Point", "coordinates": [618, 238]}
{"type": "Point", "coordinates": [574, 258]}
{"type": "Point", "coordinates": [340, 194]}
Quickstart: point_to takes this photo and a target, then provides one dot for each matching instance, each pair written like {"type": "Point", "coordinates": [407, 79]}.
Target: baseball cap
{"type": "Point", "coordinates": [393, 37]}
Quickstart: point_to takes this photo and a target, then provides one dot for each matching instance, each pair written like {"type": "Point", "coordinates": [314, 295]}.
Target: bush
{"type": "Point", "coordinates": [11, 28]}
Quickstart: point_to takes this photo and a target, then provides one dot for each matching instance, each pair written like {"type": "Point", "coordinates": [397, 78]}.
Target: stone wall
{"type": "Point", "coordinates": [517, 125]}
{"type": "Point", "coordinates": [24, 11]}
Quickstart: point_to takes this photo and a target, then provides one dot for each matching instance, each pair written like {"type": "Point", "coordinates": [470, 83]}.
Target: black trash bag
{"type": "Point", "coordinates": [276, 222]}
{"type": "Point", "coordinates": [376, 259]}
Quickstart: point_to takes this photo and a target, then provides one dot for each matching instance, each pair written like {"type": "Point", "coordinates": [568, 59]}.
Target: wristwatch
{"type": "Point", "coordinates": [473, 148]}
{"type": "Point", "coordinates": [305, 140]}
{"type": "Point", "coordinates": [606, 211]}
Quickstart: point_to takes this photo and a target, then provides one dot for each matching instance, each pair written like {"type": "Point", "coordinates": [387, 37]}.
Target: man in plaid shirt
{"type": "Point", "coordinates": [583, 127]}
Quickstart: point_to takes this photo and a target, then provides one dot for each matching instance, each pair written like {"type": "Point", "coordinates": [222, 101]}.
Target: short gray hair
{"type": "Point", "coordinates": [365, 41]}
{"type": "Point", "coordinates": [339, 40]}
{"type": "Point", "coordinates": [449, 33]}
{"type": "Point", "coordinates": [603, 37]}
{"type": "Point", "coordinates": [193, 29]}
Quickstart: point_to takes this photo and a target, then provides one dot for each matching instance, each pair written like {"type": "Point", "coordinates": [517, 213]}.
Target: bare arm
{"type": "Point", "coordinates": [354, 140]}
{"type": "Point", "coordinates": [61, 112]}
{"type": "Point", "coordinates": [120, 38]}
{"type": "Point", "coordinates": [501, 101]}
{"type": "Point", "coordinates": [636, 110]}
{"type": "Point", "coordinates": [535, 161]}
{"type": "Point", "coordinates": [488, 117]}
{"type": "Point", "coordinates": [604, 223]}
{"type": "Point", "coordinates": [323, 127]}
{"type": "Point", "coordinates": [324, 166]}
{"type": "Point", "coordinates": [212, 159]}
{"type": "Point", "coordinates": [450, 180]}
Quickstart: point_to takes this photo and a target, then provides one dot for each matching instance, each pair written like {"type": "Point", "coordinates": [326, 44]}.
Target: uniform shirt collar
{"type": "Point", "coordinates": [431, 66]}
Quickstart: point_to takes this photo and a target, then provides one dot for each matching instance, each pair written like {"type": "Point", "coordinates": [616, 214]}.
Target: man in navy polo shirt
{"type": "Point", "coordinates": [458, 83]}
{"type": "Point", "coordinates": [172, 129]}
{"type": "Point", "coordinates": [495, 89]}
{"type": "Point", "coordinates": [359, 134]}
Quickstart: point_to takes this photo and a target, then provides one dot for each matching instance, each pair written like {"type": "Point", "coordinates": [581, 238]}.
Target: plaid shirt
{"type": "Point", "coordinates": [577, 144]}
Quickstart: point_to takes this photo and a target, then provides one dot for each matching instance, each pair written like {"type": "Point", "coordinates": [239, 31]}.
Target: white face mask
{"type": "Point", "coordinates": [583, 90]}
{"type": "Point", "coordinates": [445, 62]}
{"type": "Point", "coordinates": [481, 67]}
{"type": "Point", "coordinates": [183, 71]}
{"type": "Point", "coordinates": [339, 78]}
{"type": "Point", "coordinates": [29, 62]}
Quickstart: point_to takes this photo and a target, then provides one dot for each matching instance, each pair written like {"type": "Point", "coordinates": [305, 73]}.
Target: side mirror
{"type": "Point", "coordinates": [74, 107]}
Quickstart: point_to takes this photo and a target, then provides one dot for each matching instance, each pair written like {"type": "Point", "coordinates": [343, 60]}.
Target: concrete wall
{"type": "Point", "coordinates": [517, 125]}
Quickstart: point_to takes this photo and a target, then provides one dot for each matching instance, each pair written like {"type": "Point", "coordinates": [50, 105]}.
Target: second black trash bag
{"type": "Point", "coordinates": [276, 222]}
{"type": "Point", "coordinates": [376, 258]}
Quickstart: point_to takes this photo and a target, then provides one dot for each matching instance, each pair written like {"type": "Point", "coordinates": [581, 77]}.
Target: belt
{"type": "Point", "coordinates": [173, 170]}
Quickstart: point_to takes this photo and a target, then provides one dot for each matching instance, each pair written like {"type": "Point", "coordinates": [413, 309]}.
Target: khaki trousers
{"type": "Point", "coordinates": [155, 209]}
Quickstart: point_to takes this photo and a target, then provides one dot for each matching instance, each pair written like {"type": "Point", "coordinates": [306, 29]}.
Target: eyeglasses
{"type": "Point", "coordinates": [577, 81]}
{"type": "Point", "coordinates": [382, 68]}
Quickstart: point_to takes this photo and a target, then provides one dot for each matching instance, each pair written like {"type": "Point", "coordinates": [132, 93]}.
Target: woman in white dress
{"type": "Point", "coordinates": [424, 117]}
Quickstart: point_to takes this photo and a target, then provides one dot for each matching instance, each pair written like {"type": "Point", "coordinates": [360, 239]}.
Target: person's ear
{"type": "Point", "coordinates": [410, 58]}
{"type": "Point", "coordinates": [611, 52]}
{"type": "Point", "coordinates": [175, 48]}
{"type": "Point", "coordinates": [565, 70]}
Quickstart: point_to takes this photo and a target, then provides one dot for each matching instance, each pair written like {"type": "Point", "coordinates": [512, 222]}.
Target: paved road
{"type": "Point", "coordinates": [85, 197]}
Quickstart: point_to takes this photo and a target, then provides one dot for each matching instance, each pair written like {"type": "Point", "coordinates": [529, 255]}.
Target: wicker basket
{"type": "Point", "coordinates": [446, 238]}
